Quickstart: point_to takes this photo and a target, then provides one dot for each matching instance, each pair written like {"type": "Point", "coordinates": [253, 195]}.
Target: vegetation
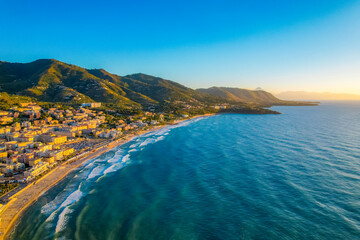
{"type": "Point", "coordinates": [49, 80]}
{"type": "Point", "coordinates": [51, 83]}
{"type": "Point", "coordinates": [7, 187]}
{"type": "Point", "coordinates": [42, 174]}
{"type": "Point", "coordinates": [9, 100]}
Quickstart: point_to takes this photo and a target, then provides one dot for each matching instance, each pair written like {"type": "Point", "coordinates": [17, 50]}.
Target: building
{"type": "Point", "coordinates": [49, 160]}
{"type": "Point", "coordinates": [25, 138]}
{"type": "Point", "coordinates": [57, 155]}
{"type": "Point", "coordinates": [4, 130]}
{"type": "Point", "coordinates": [59, 139]}
{"type": "Point", "coordinates": [26, 157]}
{"type": "Point", "coordinates": [52, 138]}
{"type": "Point", "coordinates": [67, 134]}
{"type": "Point", "coordinates": [12, 136]}
{"type": "Point", "coordinates": [35, 161]}
{"type": "Point", "coordinates": [3, 155]}
{"type": "Point", "coordinates": [91, 105]}
{"type": "Point", "coordinates": [4, 113]}
{"type": "Point", "coordinates": [109, 134]}
{"type": "Point", "coordinates": [21, 146]}
{"type": "Point", "coordinates": [6, 120]}
{"type": "Point", "coordinates": [154, 122]}
{"type": "Point", "coordinates": [36, 171]}
{"type": "Point", "coordinates": [26, 104]}
{"type": "Point", "coordinates": [26, 124]}
{"type": "Point", "coordinates": [68, 151]}
{"type": "Point", "coordinates": [11, 145]}
{"type": "Point", "coordinates": [5, 168]}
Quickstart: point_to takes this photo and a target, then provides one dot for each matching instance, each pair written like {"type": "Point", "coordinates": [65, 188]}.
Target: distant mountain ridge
{"type": "Point", "coordinates": [316, 96]}
{"type": "Point", "coordinates": [257, 96]}
{"type": "Point", "coordinates": [241, 95]}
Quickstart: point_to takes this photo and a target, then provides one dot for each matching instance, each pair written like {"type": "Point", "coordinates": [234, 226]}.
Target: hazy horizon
{"type": "Point", "coordinates": [316, 96]}
{"type": "Point", "coordinates": [282, 46]}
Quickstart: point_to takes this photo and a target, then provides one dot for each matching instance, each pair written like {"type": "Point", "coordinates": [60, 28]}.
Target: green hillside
{"type": "Point", "coordinates": [53, 81]}
{"type": "Point", "coordinates": [166, 90]}
{"type": "Point", "coordinates": [49, 80]}
{"type": "Point", "coordinates": [8, 100]}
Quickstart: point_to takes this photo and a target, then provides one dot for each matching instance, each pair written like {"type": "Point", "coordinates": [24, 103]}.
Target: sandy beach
{"type": "Point", "coordinates": [21, 200]}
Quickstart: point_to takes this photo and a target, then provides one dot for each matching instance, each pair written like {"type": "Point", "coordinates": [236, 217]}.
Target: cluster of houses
{"type": "Point", "coordinates": [40, 138]}
{"type": "Point", "coordinates": [221, 106]}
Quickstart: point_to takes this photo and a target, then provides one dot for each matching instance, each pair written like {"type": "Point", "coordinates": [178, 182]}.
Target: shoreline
{"type": "Point", "coordinates": [21, 200]}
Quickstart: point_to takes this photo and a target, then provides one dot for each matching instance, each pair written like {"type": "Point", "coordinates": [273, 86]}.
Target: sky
{"type": "Point", "coordinates": [278, 45]}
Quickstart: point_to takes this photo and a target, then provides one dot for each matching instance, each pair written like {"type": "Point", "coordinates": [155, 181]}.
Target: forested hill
{"type": "Point", "coordinates": [54, 81]}
{"type": "Point", "coordinates": [50, 80]}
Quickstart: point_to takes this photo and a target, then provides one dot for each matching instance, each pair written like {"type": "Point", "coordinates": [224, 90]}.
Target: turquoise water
{"type": "Point", "coordinates": [289, 176]}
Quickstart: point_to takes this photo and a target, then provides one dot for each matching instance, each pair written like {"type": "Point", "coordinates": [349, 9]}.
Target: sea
{"type": "Point", "coordinates": [231, 176]}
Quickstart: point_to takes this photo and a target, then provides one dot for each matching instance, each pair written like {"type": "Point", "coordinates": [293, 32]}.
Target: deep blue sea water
{"type": "Point", "coordinates": [289, 176]}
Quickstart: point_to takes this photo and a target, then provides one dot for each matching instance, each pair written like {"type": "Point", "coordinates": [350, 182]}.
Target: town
{"type": "Point", "coordinates": [34, 140]}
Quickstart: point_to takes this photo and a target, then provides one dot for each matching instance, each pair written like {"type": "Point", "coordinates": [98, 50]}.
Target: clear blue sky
{"type": "Point", "coordinates": [277, 45]}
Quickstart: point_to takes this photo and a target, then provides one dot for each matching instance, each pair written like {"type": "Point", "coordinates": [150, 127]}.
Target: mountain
{"type": "Point", "coordinates": [316, 96]}
{"type": "Point", "coordinates": [49, 80]}
{"type": "Point", "coordinates": [241, 95]}
{"type": "Point", "coordinates": [54, 81]}
{"type": "Point", "coordinates": [249, 96]}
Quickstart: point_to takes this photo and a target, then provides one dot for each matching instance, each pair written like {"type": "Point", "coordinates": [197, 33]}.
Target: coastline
{"type": "Point", "coordinates": [21, 200]}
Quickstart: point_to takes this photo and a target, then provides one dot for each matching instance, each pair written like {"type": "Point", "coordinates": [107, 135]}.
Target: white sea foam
{"type": "Point", "coordinates": [100, 160]}
{"type": "Point", "coordinates": [145, 135]}
{"type": "Point", "coordinates": [51, 217]}
{"type": "Point", "coordinates": [117, 157]}
{"type": "Point", "coordinates": [152, 140]}
{"type": "Point", "coordinates": [126, 158]}
{"type": "Point", "coordinates": [72, 198]}
{"type": "Point", "coordinates": [146, 142]}
{"type": "Point", "coordinates": [63, 219]}
{"type": "Point", "coordinates": [89, 165]}
{"type": "Point", "coordinates": [49, 207]}
{"type": "Point", "coordinates": [114, 159]}
{"type": "Point", "coordinates": [134, 145]}
{"type": "Point", "coordinates": [111, 160]}
{"type": "Point", "coordinates": [113, 168]}
{"type": "Point", "coordinates": [162, 131]}
{"type": "Point", "coordinates": [96, 172]}
{"type": "Point", "coordinates": [160, 138]}
{"type": "Point", "coordinates": [53, 205]}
